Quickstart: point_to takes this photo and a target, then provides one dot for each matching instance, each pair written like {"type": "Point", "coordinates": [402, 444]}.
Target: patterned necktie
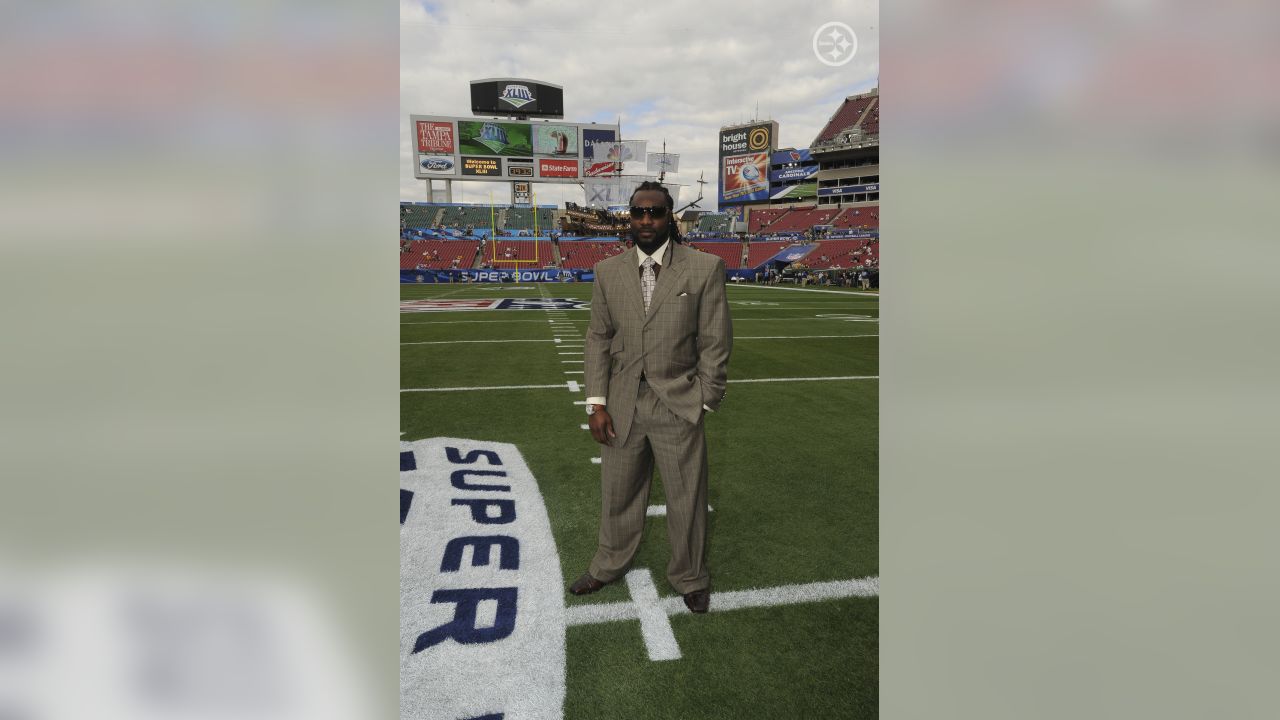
{"type": "Point", "coordinates": [648, 280]}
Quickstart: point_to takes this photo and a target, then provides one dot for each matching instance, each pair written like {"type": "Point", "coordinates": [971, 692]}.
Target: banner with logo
{"type": "Point", "coordinates": [663, 162]}
{"type": "Point", "coordinates": [744, 161]}
{"type": "Point", "coordinates": [597, 169]}
{"type": "Point", "coordinates": [748, 139]}
{"type": "Point", "coordinates": [606, 192]}
{"type": "Point", "coordinates": [550, 168]}
{"type": "Point", "coordinates": [438, 165]}
{"type": "Point", "coordinates": [435, 137]}
{"type": "Point", "coordinates": [786, 157]}
{"type": "Point", "coordinates": [848, 190]}
{"type": "Point", "coordinates": [494, 138]}
{"type": "Point", "coordinates": [804, 172]}
{"type": "Point", "coordinates": [592, 137]}
{"type": "Point", "coordinates": [745, 178]}
{"type": "Point", "coordinates": [495, 276]}
{"type": "Point", "coordinates": [620, 151]}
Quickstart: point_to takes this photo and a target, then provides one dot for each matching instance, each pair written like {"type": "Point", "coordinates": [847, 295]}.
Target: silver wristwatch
{"type": "Point", "coordinates": [591, 408]}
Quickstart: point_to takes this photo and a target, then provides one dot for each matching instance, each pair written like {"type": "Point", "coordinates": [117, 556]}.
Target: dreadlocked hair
{"type": "Point", "coordinates": [673, 228]}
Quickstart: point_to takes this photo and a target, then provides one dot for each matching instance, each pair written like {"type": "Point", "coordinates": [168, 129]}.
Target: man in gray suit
{"type": "Point", "coordinates": [657, 354]}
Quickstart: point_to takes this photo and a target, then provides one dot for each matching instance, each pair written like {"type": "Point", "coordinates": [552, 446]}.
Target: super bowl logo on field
{"type": "Point", "coordinates": [478, 564]}
{"type": "Point", "coordinates": [516, 95]}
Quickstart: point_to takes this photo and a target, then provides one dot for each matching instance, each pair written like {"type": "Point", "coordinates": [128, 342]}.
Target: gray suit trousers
{"type": "Point", "coordinates": [680, 451]}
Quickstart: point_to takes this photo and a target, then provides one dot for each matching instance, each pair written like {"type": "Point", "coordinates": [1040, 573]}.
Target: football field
{"type": "Point", "coordinates": [792, 631]}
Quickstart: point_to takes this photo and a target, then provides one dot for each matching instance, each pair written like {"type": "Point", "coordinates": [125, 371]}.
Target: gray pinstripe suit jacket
{"type": "Point", "coordinates": [681, 345]}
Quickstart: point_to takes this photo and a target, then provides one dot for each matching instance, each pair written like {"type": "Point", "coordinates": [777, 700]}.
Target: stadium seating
{"type": "Point", "coordinates": [509, 250]}
{"type": "Point", "coordinates": [760, 251]}
{"type": "Point", "coordinates": [714, 223]}
{"type": "Point", "coordinates": [586, 253]}
{"type": "Point", "coordinates": [867, 216]}
{"type": "Point", "coordinates": [801, 219]}
{"type": "Point", "coordinates": [438, 254]}
{"type": "Point", "coordinates": [730, 252]}
{"type": "Point", "coordinates": [418, 216]}
{"type": "Point", "coordinates": [843, 253]}
{"type": "Point", "coordinates": [762, 217]}
{"type": "Point", "coordinates": [847, 116]}
{"type": "Point", "coordinates": [464, 215]}
{"type": "Point", "coordinates": [522, 219]}
{"type": "Point", "coordinates": [871, 123]}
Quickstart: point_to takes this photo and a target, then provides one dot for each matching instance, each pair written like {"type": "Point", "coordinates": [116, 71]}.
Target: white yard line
{"type": "Point", "coordinates": [798, 337]}
{"type": "Point", "coordinates": [488, 387]}
{"type": "Point", "coordinates": [732, 600]}
{"type": "Point", "coordinates": [661, 510]}
{"type": "Point", "coordinates": [815, 290]}
{"type": "Point", "coordinates": [467, 322]}
{"type": "Point", "coordinates": [453, 342]}
{"type": "Point", "coordinates": [582, 372]}
{"type": "Point", "coordinates": [655, 628]}
{"type": "Point", "coordinates": [804, 379]}
{"type": "Point", "coordinates": [565, 340]}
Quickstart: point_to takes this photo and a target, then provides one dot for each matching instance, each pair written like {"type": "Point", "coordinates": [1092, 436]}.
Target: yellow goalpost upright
{"type": "Point", "coordinates": [493, 236]}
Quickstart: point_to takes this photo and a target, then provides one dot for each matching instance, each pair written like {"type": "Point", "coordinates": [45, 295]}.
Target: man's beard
{"type": "Point", "coordinates": [654, 244]}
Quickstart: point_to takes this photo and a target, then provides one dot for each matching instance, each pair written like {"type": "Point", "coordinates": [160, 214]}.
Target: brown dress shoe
{"type": "Point", "coordinates": [698, 601]}
{"type": "Point", "coordinates": [586, 585]}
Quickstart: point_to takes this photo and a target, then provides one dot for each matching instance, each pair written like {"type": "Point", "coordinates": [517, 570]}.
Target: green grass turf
{"type": "Point", "coordinates": [793, 487]}
{"type": "Point", "coordinates": [816, 660]}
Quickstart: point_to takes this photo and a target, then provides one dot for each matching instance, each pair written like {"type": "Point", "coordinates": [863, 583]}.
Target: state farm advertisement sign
{"type": "Point", "coordinates": [557, 168]}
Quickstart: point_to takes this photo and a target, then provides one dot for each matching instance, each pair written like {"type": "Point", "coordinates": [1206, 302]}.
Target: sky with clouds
{"type": "Point", "coordinates": [673, 70]}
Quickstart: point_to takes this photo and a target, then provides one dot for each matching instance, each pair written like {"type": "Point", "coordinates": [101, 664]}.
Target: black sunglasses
{"type": "Point", "coordinates": [657, 213]}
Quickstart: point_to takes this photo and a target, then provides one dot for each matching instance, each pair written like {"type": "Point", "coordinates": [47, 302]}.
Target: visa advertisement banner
{"type": "Point", "coordinates": [848, 190]}
{"type": "Point", "coordinates": [744, 178]}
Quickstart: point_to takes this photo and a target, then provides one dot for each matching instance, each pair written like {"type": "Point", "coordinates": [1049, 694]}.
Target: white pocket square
{"type": "Point", "coordinates": [682, 294]}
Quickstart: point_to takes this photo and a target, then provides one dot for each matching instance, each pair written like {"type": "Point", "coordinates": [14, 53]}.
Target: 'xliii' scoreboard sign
{"type": "Point", "coordinates": [517, 97]}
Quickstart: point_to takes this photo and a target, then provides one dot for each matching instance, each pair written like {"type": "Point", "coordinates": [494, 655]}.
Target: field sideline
{"type": "Point", "coordinates": [793, 491]}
